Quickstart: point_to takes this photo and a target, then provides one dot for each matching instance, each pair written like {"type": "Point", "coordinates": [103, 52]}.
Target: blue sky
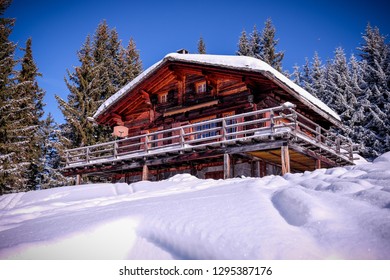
{"type": "Point", "coordinates": [59, 28]}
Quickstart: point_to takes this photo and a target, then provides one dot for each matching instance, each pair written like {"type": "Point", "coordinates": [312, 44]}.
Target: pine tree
{"type": "Point", "coordinates": [132, 62]}
{"type": "Point", "coordinates": [375, 53]}
{"type": "Point", "coordinates": [254, 43]}
{"type": "Point", "coordinates": [201, 46]}
{"type": "Point", "coordinates": [105, 54]}
{"type": "Point", "coordinates": [243, 45]}
{"type": "Point", "coordinates": [318, 79]}
{"type": "Point", "coordinates": [340, 86]}
{"type": "Point", "coordinates": [296, 75]}
{"type": "Point", "coordinates": [358, 85]}
{"type": "Point", "coordinates": [83, 100]}
{"type": "Point", "coordinates": [104, 68]}
{"type": "Point", "coordinates": [52, 148]}
{"type": "Point", "coordinates": [306, 76]}
{"type": "Point", "coordinates": [268, 47]}
{"type": "Point", "coordinates": [31, 111]}
{"type": "Point", "coordinates": [8, 178]}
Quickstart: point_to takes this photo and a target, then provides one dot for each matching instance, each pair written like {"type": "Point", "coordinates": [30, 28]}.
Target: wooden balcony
{"type": "Point", "coordinates": [262, 134]}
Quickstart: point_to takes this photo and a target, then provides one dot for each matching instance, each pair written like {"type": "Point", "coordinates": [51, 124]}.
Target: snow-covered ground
{"type": "Point", "coordinates": [340, 213]}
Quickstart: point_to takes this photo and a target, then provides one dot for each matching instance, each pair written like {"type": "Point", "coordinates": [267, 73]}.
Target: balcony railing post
{"type": "Point", "coordinates": [318, 131]}
{"type": "Point", "coordinates": [182, 142]}
{"type": "Point", "coordinates": [350, 150]}
{"type": "Point", "coordinates": [146, 143]}
{"type": "Point", "coordinates": [115, 149]}
{"type": "Point", "coordinates": [87, 155]}
{"type": "Point", "coordinates": [67, 158]}
{"type": "Point", "coordinates": [295, 119]}
{"type": "Point", "coordinates": [338, 145]}
{"type": "Point", "coordinates": [224, 131]}
{"type": "Point", "coordinates": [272, 115]}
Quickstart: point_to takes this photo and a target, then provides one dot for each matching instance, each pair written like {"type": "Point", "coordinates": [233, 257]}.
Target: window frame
{"type": "Point", "coordinates": [201, 87]}
{"type": "Point", "coordinates": [163, 98]}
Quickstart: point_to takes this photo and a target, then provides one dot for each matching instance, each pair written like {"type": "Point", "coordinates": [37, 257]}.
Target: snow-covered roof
{"type": "Point", "coordinates": [228, 61]}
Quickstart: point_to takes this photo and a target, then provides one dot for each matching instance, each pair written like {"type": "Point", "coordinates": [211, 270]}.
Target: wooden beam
{"type": "Point", "coordinates": [181, 85]}
{"type": "Point", "coordinates": [313, 154]}
{"type": "Point", "coordinates": [226, 166]}
{"type": "Point", "coordinates": [190, 108]}
{"type": "Point", "coordinates": [160, 85]}
{"type": "Point", "coordinates": [256, 147]}
{"type": "Point", "coordinates": [146, 97]}
{"type": "Point", "coordinates": [285, 157]}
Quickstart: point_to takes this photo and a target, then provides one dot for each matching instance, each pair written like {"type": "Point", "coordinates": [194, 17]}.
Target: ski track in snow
{"type": "Point", "coordinates": [339, 213]}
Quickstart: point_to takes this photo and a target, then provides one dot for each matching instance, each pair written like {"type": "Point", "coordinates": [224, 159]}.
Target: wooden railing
{"type": "Point", "coordinates": [243, 128]}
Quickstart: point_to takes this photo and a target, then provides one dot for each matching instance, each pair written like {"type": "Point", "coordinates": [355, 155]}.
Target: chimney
{"type": "Point", "coordinates": [182, 51]}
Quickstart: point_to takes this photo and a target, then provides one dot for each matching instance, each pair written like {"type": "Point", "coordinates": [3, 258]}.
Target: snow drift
{"type": "Point", "coordinates": [339, 213]}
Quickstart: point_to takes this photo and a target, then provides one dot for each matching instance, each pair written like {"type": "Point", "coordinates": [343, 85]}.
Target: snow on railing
{"type": "Point", "coordinates": [260, 124]}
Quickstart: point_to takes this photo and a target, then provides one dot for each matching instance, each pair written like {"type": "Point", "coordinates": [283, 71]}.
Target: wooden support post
{"type": "Point", "coordinates": [318, 164]}
{"type": "Point", "coordinates": [256, 168]}
{"type": "Point", "coordinates": [285, 157]}
{"type": "Point", "coordinates": [78, 179]}
{"type": "Point", "coordinates": [226, 166]}
{"type": "Point", "coordinates": [263, 169]}
{"type": "Point", "coordinates": [145, 173]}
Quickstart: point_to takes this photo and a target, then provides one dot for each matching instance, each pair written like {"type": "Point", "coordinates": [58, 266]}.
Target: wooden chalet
{"type": "Point", "coordinates": [215, 117]}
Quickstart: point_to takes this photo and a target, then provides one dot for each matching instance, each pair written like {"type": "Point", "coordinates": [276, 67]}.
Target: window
{"type": "Point", "coordinates": [228, 123]}
{"type": "Point", "coordinates": [201, 127]}
{"type": "Point", "coordinates": [163, 98]}
{"type": "Point", "coordinates": [204, 127]}
{"type": "Point", "coordinates": [154, 140]}
{"type": "Point", "coordinates": [201, 87]}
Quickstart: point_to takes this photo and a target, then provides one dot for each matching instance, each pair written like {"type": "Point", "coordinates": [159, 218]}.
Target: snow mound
{"type": "Point", "coordinates": [339, 213]}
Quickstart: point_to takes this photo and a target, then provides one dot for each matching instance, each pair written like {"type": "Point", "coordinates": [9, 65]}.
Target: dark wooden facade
{"type": "Point", "coordinates": [213, 120]}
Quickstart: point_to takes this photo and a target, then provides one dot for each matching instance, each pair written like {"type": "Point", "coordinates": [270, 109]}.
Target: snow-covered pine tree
{"type": "Point", "coordinates": [52, 148]}
{"type": "Point", "coordinates": [375, 53]}
{"type": "Point", "coordinates": [29, 119]}
{"type": "Point", "coordinates": [201, 46]}
{"type": "Point", "coordinates": [339, 84]}
{"type": "Point", "coordinates": [306, 76]}
{"type": "Point", "coordinates": [296, 75]}
{"type": "Point", "coordinates": [243, 45]}
{"type": "Point", "coordinates": [8, 168]}
{"type": "Point", "coordinates": [317, 78]}
{"type": "Point", "coordinates": [268, 46]}
{"type": "Point", "coordinates": [254, 43]}
{"type": "Point", "coordinates": [356, 124]}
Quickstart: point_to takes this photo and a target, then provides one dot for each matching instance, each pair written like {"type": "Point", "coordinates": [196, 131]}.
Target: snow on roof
{"type": "Point", "coordinates": [228, 61]}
